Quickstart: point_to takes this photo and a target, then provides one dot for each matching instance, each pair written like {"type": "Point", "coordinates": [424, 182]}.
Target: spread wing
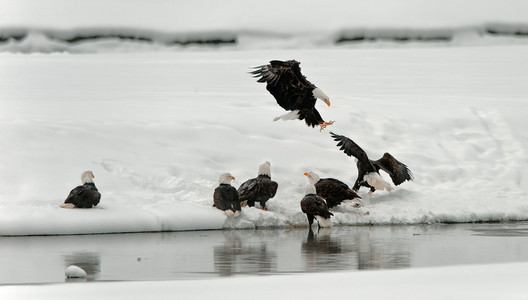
{"type": "Point", "coordinates": [399, 172]}
{"type": "Point", "coordinates": [286, 83]}
{"type": "Point", "coordinates": [352, 149]}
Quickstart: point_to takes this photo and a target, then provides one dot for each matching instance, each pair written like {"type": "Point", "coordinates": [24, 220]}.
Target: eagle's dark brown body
{"type": "Point", "coordinates": [259, 189]}
{"type": "Point", "coordinates": [334, 191]}
{"type": "Point", "coordinates": [84, 196]}
{"type": "Point", "coordinates": [225, 197]}
{"type": "Point", "coordinates": [291, 89]}
{"type": "Point", "coordinates": [313, 205]}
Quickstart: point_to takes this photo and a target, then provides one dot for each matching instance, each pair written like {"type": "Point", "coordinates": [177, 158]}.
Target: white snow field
{"type": "Point", "coordinates": [158, 129]}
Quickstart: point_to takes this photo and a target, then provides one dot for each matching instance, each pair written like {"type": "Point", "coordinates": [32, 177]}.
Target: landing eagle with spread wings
{"type": "Point", "coordinates": [292, 91]}
{"type": "Point", "coordinates": [368, 170]}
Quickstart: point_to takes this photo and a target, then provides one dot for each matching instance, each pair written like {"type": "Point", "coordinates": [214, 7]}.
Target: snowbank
{"type": "Point", "coordinates": [499, 281]}
{"type": "Point", "coordinates": [157, 130]}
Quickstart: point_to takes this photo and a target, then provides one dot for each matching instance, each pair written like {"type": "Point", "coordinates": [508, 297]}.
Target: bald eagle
{"type": "Point", "coordinates": [259, 189]}
{"type": "Point", "coordinates": [315, 207]}
{"type": "Point", "coordinates": [225, 197]}
{"type": "Point", "coordinates": [368, 170]}
{"type": "Point", "coordinates": [332, 190]}
{"type": "Point", "coordinates": [293, 91]}
{"type": "Point", "coordinates": [83, 196]}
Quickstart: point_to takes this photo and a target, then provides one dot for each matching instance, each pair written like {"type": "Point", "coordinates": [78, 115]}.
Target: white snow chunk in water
{"type": "Point", "coordinates": [75, 272]}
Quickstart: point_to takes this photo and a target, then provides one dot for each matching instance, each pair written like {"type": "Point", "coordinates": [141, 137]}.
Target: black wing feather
{"type": "Point", "coordinates": [259, 189]}
{"type": "Point", "coordinates": [316, 206]}
{"type": "Point", "coordinates": [247, 190]}
{"type": "Point", "coordinates": [84, 196]}
{"type": "Point", "coordinates": [286, 83]}
{"type": "Point", "coordinates": [226, 197]}
{"type": "Point", "coordinates": [399, 172]}
{"type": "Point", "coordinates": [334, 191]}
{"type": "Point", "coordinates": [352, 149]}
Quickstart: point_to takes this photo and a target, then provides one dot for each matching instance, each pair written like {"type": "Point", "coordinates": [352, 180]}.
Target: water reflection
{"type": "Point", "coordinates": [322, 252]}
{"type": "Point", "coordinates": [202, 254]}
{"type": "Point", "coordinates": [236, 256]}
{"type": "Point", "coordinates": [330, 249]}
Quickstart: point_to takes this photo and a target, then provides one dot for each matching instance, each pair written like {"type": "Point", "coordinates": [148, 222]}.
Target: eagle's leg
{"type": "Point", "coordinates": [310, 219]}
{"type": "Point", "coordinates": [323, 125]}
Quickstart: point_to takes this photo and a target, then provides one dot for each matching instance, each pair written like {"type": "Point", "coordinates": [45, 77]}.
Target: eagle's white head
{"type": "Point", "coordinates": [319, 94]}
{"type": "Point", "coordinates": [87, 177]}
{"type": "Point", "coordinates": [313, 177]}
{"type": "Point", "coordinates": [264, 169]}
{"type": "Point", "coordinates": [225, 178]}
{"type": "Point", "coordinates": [310, 189]}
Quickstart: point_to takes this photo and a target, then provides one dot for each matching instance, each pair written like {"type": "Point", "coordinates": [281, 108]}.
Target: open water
{"type": "Point", "coordinates": [207, 254]}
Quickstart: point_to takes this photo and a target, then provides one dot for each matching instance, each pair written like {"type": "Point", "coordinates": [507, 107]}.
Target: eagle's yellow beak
{"type": "Point", "coordinates": [327, 102]}
{"type": "Point", "coordinates": [232, 178]}
{"type": "Point", "coordinates": [306, 174]}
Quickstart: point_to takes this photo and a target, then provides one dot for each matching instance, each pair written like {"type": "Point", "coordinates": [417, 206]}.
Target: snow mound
{"type": "Point", "coordinates": [75, 272]}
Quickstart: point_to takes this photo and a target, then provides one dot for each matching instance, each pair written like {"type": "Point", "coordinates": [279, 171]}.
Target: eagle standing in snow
{"type": "Point", "coordinates": [83, 196]}
{"type": "Point", "coordinates": [332, 190]}
{"type": "Point", "coordinates": [225, 197]}
{"type": "Point", "coordinates": [293, 91]}
{"type": "Point", "coordinates": [368, 170]}
{"type": "Point", "coordinates": [259, 189]}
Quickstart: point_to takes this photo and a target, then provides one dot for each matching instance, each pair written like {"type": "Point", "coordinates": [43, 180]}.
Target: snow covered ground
{"type": "Point", "coordinates": [157, 129]}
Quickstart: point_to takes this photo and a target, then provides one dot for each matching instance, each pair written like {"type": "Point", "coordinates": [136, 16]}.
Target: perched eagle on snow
{"type": "Point", "coordinates": [293, 91]}
{"type": "Point", "coordinates": [332, 190]}
{"type": "Point", "coordinates": [259, 189]}
{"type": "Point", "coordinates": [83, 196]}
{"type": "Point", "coordinates": [315, 207]}
{"type": "Point", "coordinates": [368, 170]}
{"type": "Point", "coordinates": [225, 197]}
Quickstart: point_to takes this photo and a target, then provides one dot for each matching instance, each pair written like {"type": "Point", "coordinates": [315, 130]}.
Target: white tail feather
{"type": "Point", "coordinates": [292, 115]}
{"type": "Point", "coordinates": [375, 180]}
{"type": "Point", "coordinates": [68, 205]}
{"type": "Point", "coordinates": [229, 213]}
{"type": "Point", "coordinates": [237, 213]}
{"type": "Point", "coordinates": [325, 223]}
